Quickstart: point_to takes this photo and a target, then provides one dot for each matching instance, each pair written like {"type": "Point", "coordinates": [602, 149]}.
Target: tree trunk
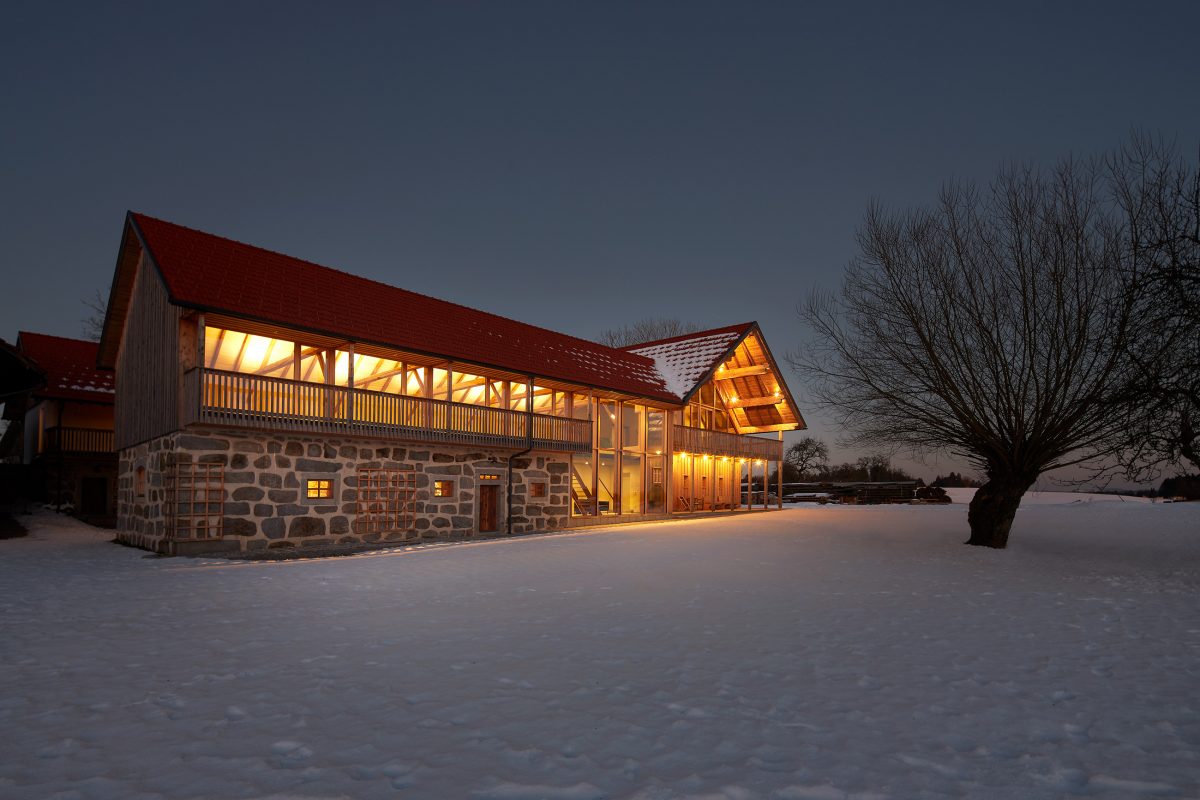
{"type": "Point", "coordinates": [991, 512]}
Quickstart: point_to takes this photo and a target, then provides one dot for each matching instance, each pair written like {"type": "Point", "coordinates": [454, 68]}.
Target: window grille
{"type": "Point", "coordinates": [195, 501]}
{"type": "Point", "coordinates": [385, 500]}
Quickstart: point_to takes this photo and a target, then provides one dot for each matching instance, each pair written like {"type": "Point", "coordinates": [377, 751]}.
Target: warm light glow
{"type": "Point", "coordinates": [733, 398]}
{"type": "Point", "coordinates": [658, 452]}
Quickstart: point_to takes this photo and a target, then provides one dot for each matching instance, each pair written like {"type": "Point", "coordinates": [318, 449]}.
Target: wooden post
{"type": "Point", "coordinates": [449, 395]}
{"type": "Point", "coordinates": [350, 383]}
{"type": "Point", "coordinates": [779, 469]}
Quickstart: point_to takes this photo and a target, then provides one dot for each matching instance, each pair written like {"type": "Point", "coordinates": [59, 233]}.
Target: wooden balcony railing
{"type": "Point", "coordinates": [217, 397]}
{"type": "Point", "coordinates": [718, 443]}
{"type": "Point", "coordinates": [77, 440]}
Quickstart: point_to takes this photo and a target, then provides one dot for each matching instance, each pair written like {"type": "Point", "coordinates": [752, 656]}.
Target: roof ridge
{"type": "Point", "coordinates": [392, 287]}
{"type": "Point", "coordinates": [74, 339]}
{"type": "Point", "coordinates": [684, 336]}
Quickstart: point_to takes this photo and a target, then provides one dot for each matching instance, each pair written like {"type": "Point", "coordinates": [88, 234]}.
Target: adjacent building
{"type": "Point", "coordinates": [269, 402]}
{"type": "Point", "coordinates": [59, 407]}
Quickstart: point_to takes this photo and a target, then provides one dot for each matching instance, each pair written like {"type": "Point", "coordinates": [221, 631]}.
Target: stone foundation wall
{"type": "Point", "coordinates": [264, 501]}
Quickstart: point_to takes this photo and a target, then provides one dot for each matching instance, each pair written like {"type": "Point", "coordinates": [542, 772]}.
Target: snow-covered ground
{"type": "Point", "coordinates": [820, 652]}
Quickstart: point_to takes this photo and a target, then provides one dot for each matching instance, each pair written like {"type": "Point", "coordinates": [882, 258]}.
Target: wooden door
{"type": "Point", "coordinates": [489, 496]}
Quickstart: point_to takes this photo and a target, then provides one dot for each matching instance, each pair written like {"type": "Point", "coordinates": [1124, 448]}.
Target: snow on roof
{"type": "Point", "coordinates": [683, 361]}
{"type": "Point", "coordinates": [70, 367]}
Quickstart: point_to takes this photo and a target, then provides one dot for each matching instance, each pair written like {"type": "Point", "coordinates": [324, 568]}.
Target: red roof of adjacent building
{"type": "Point", "coordinates": [69, 366]}
{"type": "Point", "coordinates": [212, 273]}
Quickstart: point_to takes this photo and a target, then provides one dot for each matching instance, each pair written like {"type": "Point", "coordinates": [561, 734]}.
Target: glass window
{"type": "Point", "coordinates": [606, 483]}
{"type": "Point", "coordinates": [469, 388]}
{"type": "Point", "coordinates": [656, 490]}
{"type": "Point", "coordinates": [583, 500]}
{"type": "Point", "coordinates": [537, 489]}
{"type": "Point", "coordinates": [633, 426]}
{"type": "Point", "coordinates": [581, 407]}
{"type": "Point", "coordinates": [318, 489]}
{"type": "Point", "coordinates": [516, 395]}
{"type": "Point", "coordinates": [414, 385]}
{"type": "Point", "coordinates": [607, 424]}
{"type": "Point", "coordinates": [439, 383]}
{"type": "Point", "coordinates": [543, 400]}
{"type": "Point", "coordinates": [443, 488]}
{"type": "Point", "coordinates": [496, 394]}
{"type": "Point", "coordinates": [631, 483]}
{"type": "Point", "coordinates": [655, 438]}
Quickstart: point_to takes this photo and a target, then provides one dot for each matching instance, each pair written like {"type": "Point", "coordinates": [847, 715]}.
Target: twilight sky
{"type": "Point", "coordinates": [572, 165]}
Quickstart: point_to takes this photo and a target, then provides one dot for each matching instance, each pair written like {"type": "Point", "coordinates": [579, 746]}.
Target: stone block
{"type": "Point", "coordinates": [239, 461]}
{"type": "Point", "coordinates": [248, 493]}
{"type": "Point", "coordinates": [293, 449]}
{"type": "Point", "coordinates": [309, 465]}
{"type": "Point", "coordinates": [270, 480]}
{"type": "Point", "coordinates": [262, 462]}
{"type": "Point", "coordinates": [273, 528]}
{"type": "Point", "coordinates": [283, 462]}
{"type": "Point", "coordinates": [283, 495]}
{"type": "Point", "coordinates": [291, 510]}
{"type": "Point", "coordinates": [263, 509]}
{"type": "Point", "coordinates": [189, 442]}
{"type": "Point", "coordinates": [213, 458]}
{"type": "Point", "coordinates": [419, 455]}
{"type": "Point", "coordinates": [247, 446]}
{"type": "Point", "coordinates": [306, 526]}
{"type": "Point", "coordinates": [239, 527]}
{"type": "Point", "coordinates": [314, 450]}
{"type": "Point", "coordinates": [339, 525]}
{"type": "Point", "coordinates": [238, 509]}
{"type": "Point", "coordinates": [443, 458]}
{"type": "Point", "coordinates": [238, 477]}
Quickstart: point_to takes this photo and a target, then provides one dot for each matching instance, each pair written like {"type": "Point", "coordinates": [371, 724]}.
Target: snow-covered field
{"type": "Point", "coordinates": [821, 652]}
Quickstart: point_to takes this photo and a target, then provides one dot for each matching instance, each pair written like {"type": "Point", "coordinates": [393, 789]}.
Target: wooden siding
{"type": "Point", "coordinates": [233, 399]}
{"type": "Point", "coordinates": [147, 393]}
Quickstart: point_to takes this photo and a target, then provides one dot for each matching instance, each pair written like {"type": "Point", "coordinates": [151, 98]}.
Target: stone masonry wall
{"type": "Point", "coordinates": [264, 474]}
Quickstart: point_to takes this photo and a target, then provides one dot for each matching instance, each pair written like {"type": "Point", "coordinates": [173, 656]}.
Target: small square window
{"type": "Point", "coordinates": [443, 488]}
{"type": "Point", "coordinates": [318, 489]}
{"type": "Point", "coordinates": [537, 489]}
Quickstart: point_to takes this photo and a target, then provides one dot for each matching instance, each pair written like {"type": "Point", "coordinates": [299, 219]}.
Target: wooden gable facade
{"type": "Point", "coordinates": [254, 415]}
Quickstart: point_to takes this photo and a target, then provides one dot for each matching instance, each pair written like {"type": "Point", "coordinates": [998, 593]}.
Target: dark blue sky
{"type": "Point", "coordinates": [571, 165]}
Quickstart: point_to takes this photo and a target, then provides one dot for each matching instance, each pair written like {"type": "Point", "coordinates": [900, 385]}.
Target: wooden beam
{"type": "Point", "coordinates": [740, 372]}
{"type": "Point", "coordinates": [754, 402]}
{"type": "Point", "coordinates": [787, 426]}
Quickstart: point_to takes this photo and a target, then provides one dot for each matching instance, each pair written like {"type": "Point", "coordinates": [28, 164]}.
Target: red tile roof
{"type": "Point", "coordinates": [70, 367]}
{"type": "Point", "coordinates": [211, 273]}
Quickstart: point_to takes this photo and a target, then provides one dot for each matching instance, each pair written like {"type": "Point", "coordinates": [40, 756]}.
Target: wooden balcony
{"type": "Point", "coordinates": [718, 443]}
{"type": "Point", "coordinates": [77, 440]}
{"type": "Point", "coordinates": [234, 399]}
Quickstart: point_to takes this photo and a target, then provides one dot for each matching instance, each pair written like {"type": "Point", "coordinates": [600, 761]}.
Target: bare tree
{"type": "Point", "coordinates": [93, 321]}
{"type": "Point", "coordinates": [994, 326]}
{"type": "Point", "coordinates": [646, 330]}
{"type": "Point", "coordinates": [807, 457]}
{"type": "Point", "coordinates": [1159, 195]}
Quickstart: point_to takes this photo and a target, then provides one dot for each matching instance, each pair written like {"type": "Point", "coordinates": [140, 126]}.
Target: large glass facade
{"type": "Point", "coordinates": [631, 483]}
{"type": "Point", "coordinates": [631, 468]}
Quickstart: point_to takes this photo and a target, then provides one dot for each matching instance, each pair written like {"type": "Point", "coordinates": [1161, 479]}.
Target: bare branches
{"type": "Point", "coordinates": [646, 330]}
{"type": "Point", "coordinates": [997, 324]}
{"type": "Point", "coordinates": [93, 321]}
